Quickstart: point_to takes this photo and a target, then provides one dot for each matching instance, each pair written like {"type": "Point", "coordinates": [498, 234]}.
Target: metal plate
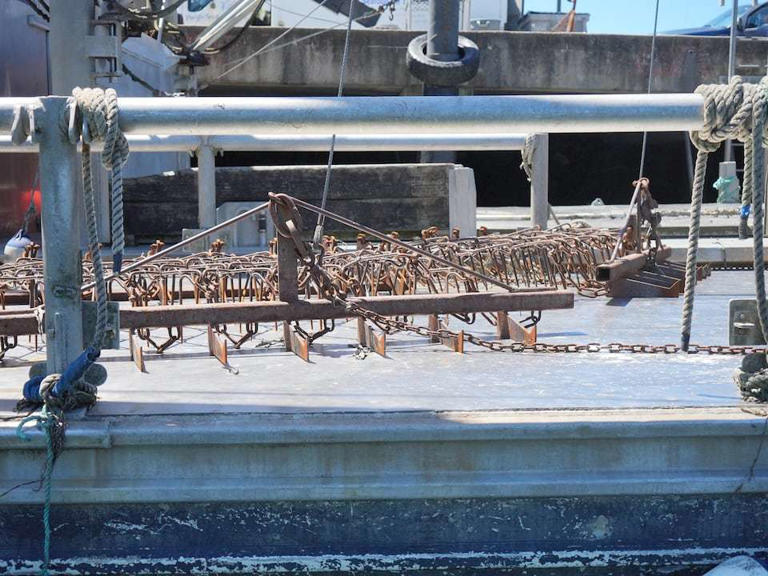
{"type": "Point", "coordinates": [112, 336]}
{"type": "Point", "coordinates": [744, 324]}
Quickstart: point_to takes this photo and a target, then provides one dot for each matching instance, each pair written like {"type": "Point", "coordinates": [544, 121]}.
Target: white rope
{"type": "Point", "coordinates": [99, 112]}
{"type": "Point", "coordinates": [733, 111]}
{"type": "Point", "coordinates": [100, 117]}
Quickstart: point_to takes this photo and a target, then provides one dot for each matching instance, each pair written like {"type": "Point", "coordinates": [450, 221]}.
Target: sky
{"type": "Point", "coordinates": [636, 16]}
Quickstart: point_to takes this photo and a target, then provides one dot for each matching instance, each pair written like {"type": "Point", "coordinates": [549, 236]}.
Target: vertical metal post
{"type": "Point", "coordinates": [540, 182]}
{"type": "Point", "coordinates": [206, 186]}
{"type": "Point", "coordinates": [70, 31]}
{"type": "Point", "coordinates": [287, 278]}
{"type": "Point", "coordinates": [442, 45]}
{"type": "Point", "coordinates": [732, 67]}
{"type": "Point", "coordinates": [70, 66]}
{"type": "Point", "coordinates": [59, 174]}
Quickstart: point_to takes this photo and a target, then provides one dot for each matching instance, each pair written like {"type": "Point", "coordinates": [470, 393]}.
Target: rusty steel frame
{"type": "Point", "coordinates": [628, 265]}
{"type": "Point", "coordinates": [277, 311]}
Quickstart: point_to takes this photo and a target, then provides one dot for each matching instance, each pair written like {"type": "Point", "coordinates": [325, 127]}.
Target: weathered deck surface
{"type": "Point", "coordinates": [422, 376]}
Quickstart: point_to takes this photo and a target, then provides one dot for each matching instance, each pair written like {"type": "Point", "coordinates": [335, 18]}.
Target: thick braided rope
{"type": "Point", "coordinates": [115, 155]}
{"type": "Point", "coordinates": [736, 110]}
{"type": "Point", "coordinates": [760, 108]}
{"type": "Point", "coordinates": [93, 247]}
{"type": "Point", "coordinates": [722, 104]}
{"type": "Point", "coordinates": [101, 115]}
{"type": "Point", "coordinates": [90, 104]}
{"type": "Point", "coordinates": [697, 195]}
{"type": "Point", "coordinates": [747, 184]}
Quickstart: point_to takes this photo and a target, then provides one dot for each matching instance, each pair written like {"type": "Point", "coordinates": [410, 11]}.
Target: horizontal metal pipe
{"type": "Point", "coordinates": [201, 314]}
{"type": "Point", "coordinates": [310, 143]}
{"type": "Point", "coordinates": [370, 142]}
{"type": "Point", "coordinates": [276, 116]}
{"type": "Point", "coordinates": [423, 115]}
{"type": "Point", "coordinates": [137, 143]}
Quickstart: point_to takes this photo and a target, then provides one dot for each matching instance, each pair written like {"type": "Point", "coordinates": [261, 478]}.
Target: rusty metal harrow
{"type": "Point", "coordinates": [565, 257]}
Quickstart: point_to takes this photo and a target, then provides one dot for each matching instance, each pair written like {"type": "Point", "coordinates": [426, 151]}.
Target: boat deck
{"type": "Point", "coordinates": [418, 375]}
{"type": "Point", "coordinates": [426, 461]}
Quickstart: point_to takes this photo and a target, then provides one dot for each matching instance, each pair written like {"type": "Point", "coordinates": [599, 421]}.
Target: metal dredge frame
{"type": "Point", "coordinates": [296, 116]}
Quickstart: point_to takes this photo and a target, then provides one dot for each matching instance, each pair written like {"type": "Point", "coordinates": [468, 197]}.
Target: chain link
{"type": "Point", "coordinates": [326, 288]}
{"type": "Point", "coordinates": [330, 288]}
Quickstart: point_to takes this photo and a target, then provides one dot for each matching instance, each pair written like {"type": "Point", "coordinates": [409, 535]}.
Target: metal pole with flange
{"type": "Point", "coordinates": [206, 185]}
{"type": "Point", "coordinates": [732, 65]}
{"type": "Point", "coordinates": [443, 46]}
{"type": "Point", "coordinates": [540, 182]}
{"type": "Point", "coordinates": [59, 174]}
{"type": "Point", "coordinates": [443, 40]}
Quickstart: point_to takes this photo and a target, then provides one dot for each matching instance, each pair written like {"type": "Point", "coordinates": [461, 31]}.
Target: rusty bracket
{"type": "Point", "coordinates": [665, 280]}
{"type": "Point", "coordinates": [7, 343]}
{"type": "Point", "coordinates": [509, 329]}
{"type": "Point", "coordinates": [455, 341]}
{"type": "Point", "coordinates": [217, 347]}
{"type": "Point", "coordinates": [368, 336]}
{"type": "Point", "coordinates": [433, 323]}
{"type": "Point", "coordinates": [137, 352]}
{"type": "Point", "coordinates": [296, 342]}
{"type": "Point", "coordinates": [632, 277]}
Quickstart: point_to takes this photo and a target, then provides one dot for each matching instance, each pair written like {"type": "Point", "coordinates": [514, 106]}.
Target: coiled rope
{"type": "Point", "coordinates": [732, 111]}
{"type": "Point", "coordinates": [99, 111]}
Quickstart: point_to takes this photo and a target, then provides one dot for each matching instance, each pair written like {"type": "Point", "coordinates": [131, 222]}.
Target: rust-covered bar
{"type": "Point", "coordinates": [201, 314]}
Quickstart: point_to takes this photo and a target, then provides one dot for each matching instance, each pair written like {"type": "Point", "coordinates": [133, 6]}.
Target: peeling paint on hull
{"type": "Point", "coordinates": [596, 535]}
{"type": "Point", "coordinates": [602, 562]}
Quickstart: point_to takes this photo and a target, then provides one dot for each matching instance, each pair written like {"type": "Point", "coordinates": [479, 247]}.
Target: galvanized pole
{"type": "Point", "coordinates": [540, 182]}
{"type": "Point", "coordinates": [442, 45]}
{"type": "Point", "coordinates": [68, 56]}
{"type": "Point", "coordinates": [61, 183]}
{"type": "Point", "coordinates": [475, 115]}
{"type": "Point", "coordinates": [70, 66]}
{"type": "Point", "coordinates": [732, 66]}
{"type": "Point", "coordinates": [206, 186]}
{"type": "Point", "coordinates": [59, 174]}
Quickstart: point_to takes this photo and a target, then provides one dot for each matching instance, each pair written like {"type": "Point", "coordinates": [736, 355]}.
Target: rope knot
{"type": "Point", "coordinates": [728, 112]}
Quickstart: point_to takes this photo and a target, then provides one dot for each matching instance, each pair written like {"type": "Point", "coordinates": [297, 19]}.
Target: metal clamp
{"type": "Point", "coordinates": [20, 125]}
{"type": "Point", "coordinates": [744, 324]}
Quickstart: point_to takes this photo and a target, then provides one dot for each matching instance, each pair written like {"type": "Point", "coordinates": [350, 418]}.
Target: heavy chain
{"type": "Point", "coordinates": [331, 288]}
{"type": "Point", "coordinates": [326, 288]}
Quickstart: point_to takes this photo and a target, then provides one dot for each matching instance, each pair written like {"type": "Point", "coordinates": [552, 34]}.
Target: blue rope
{"type": "Point", "coordinates": [74, 372]}
{"type": "Point", "coordinates": [45, 421]}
